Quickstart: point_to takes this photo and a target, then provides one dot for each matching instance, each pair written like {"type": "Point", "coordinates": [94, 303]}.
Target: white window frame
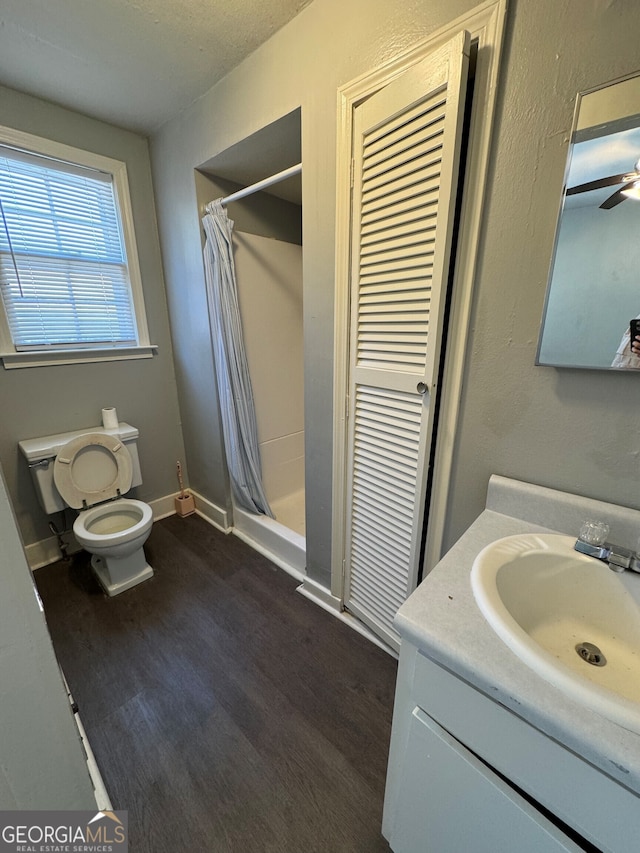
{"type": "Point", "coordinates": [13, 358]}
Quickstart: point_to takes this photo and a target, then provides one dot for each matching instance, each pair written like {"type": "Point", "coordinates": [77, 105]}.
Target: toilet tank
{"type": "Point", "coordinates": [40, 454]}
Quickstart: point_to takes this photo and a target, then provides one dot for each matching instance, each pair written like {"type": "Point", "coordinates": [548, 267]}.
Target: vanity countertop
{"type": "Point", "coordinates": [442, 619]}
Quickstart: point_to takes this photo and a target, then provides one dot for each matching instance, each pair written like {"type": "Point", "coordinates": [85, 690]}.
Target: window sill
{"type": "Point", "coordinates": [39, 358]}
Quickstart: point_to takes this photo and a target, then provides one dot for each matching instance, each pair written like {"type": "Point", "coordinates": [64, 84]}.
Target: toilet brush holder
{"type": "Point", "coordinates": [185, 503]}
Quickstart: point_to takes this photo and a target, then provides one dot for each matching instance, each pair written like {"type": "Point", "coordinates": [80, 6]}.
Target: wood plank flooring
{"type": "Point", "coordinates": [227, 712]}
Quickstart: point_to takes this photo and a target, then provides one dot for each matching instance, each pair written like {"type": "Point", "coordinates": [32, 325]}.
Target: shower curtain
{"type": "Point", "coordinates": [232, 372]}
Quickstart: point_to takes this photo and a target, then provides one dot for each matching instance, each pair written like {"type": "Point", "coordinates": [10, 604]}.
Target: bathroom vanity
{"type": "Point", "coordinates": [486, 755]}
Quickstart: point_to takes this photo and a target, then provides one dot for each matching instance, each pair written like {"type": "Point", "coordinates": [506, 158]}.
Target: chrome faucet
{"type": "Point", "coordinates": [591, 541]}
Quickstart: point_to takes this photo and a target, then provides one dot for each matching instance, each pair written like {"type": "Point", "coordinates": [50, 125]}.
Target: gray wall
{"type": "Point", "coordinates": [259, 213]}
{"type": "Point", "coordinates": [567, 429]}
{"type": "Point", "coordinates": [43, 765]}
{"type": "Point", "coordinates": [301, 66]}
{"type": "Point", "coordinates": [574, 430]}
{"type": "Point", "coordinates": [43, 400]}
{"type": "Point", "coordinates": [560, 428]}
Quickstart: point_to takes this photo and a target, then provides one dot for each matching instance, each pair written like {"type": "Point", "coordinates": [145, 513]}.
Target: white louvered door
{"type": "Point", "coordinates": [406, 157]}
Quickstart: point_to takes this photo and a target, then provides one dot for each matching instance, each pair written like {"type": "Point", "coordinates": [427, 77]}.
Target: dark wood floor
{"type": "Point", "coordinates": [226, 711]}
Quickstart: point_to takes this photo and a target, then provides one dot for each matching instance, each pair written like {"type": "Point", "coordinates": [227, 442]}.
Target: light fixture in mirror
{"type": "Point", "coordinates": [594, 283]}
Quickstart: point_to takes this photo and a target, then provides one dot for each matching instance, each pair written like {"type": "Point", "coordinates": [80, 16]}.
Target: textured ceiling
{"type": "Point", "coordinates": [133, 64]}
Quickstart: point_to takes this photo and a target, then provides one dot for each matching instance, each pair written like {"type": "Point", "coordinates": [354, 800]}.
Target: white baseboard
{"type": "Point", "coordinates": [215, 515]}
{"type": "Point", "coordinates": [47, 551]}
{"type": "Point", "coordinates": [270, 555]}
{"type": "Point", "coordinates": [321, 596]}
{"type": "Point", "coordinates": [163, 507]}
{"type": "Point", "coordinates": [212, 513]}
{"type": "Point", "coordinates": [100, 792]}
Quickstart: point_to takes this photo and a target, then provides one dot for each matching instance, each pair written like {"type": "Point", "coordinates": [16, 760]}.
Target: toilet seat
{"type": "Point", "coordinates": [91, 469]}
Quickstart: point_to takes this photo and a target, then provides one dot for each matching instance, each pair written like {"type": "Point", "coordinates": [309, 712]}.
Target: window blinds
{"type": "Point", "coordinates": [63, 272]}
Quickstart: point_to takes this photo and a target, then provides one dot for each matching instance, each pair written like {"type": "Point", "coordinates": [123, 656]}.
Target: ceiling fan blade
{"type": "Point", "coordinates": [611, 181]}
{"type": "Point", "coordinates": [616, 198]}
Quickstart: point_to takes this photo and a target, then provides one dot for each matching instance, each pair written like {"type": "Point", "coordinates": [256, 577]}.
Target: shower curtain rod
{"type": "Point", "coordinates": [261, 185]}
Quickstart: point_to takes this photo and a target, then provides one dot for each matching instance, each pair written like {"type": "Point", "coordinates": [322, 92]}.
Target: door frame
{"type": "Point", "coordinates": [486, 25]}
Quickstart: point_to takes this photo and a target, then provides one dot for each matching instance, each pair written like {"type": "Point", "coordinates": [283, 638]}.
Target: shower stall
{"type": "Point", "coordinates": [267, 254]}
{"type": "Point", "coordinates": [269, 277]}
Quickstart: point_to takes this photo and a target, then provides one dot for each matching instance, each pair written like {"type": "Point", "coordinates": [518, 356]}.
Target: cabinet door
{"type": "Point", "coordinates": [450, 802]}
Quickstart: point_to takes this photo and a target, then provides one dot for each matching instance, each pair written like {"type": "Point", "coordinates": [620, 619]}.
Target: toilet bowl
{"type": "Point", "coordinates": [92, 473]}
{"type": "Point", "coordinates": [114, 534]}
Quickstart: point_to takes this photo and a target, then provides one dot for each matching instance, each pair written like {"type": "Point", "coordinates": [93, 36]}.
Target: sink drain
{"type": "Point", "coordinates": [591, 654]}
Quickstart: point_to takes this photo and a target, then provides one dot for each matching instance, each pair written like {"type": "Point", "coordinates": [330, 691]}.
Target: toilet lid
{"type": "Point", "coordinates": [91, 469]}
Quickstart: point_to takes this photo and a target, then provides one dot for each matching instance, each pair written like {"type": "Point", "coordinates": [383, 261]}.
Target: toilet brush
{"type": "Point", "coordinates": [185, 503]}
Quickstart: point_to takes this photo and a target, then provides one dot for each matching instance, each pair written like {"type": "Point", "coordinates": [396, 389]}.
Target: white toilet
{"type": "Point", "coordinates": [91, 471]}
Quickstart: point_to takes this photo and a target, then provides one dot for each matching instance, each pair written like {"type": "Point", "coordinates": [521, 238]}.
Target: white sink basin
{"type": "Point", "coordinates": [543, 599]}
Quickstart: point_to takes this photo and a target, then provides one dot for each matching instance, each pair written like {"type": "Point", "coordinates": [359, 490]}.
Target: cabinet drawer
{"type": "Point", "coordinates": [449, 801]}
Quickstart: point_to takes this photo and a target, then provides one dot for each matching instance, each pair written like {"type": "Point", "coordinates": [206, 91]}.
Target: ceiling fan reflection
{"type": "Point", "coordinates": [630, 187]}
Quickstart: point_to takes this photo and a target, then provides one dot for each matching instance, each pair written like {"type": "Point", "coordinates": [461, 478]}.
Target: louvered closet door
{"type": "Point", "coordinates": [406, 154]}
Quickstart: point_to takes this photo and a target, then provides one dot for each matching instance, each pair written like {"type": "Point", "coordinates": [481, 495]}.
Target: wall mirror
{"type": "Point", "coordinates": [594, 283]}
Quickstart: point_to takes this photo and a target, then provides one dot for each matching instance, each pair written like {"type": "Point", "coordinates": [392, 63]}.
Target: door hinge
{"type": "Point", "coordinates": [352, 170]}
{"type": "Point", "coordinates": [346, 407]}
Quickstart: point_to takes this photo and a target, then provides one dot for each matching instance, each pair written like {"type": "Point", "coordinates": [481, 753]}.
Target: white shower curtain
{"type": "Point", "coordinates": [232, 372]}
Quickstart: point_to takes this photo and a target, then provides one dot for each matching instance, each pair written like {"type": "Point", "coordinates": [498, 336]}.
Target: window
{"type": "Point", "coordinates": [69, 280]}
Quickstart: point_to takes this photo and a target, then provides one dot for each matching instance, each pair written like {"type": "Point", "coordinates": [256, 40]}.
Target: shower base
{"type": "Point", "coordinates": [281, 544]}
{"type": "Point", "coordinates": [289, 510]}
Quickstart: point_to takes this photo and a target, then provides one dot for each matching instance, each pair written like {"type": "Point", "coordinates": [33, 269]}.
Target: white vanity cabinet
{"type": "Point", "coordinates": [449, 801]}
{"type": "Point", "coordinates": [467, 774]}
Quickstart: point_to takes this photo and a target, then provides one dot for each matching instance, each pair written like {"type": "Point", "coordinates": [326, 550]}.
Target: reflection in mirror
{"type": "Point", "coordinates": [594, 285]}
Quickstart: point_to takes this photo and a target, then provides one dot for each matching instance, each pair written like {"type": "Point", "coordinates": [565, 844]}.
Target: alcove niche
{"type": "Point", "coordinates": [267, 244]}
